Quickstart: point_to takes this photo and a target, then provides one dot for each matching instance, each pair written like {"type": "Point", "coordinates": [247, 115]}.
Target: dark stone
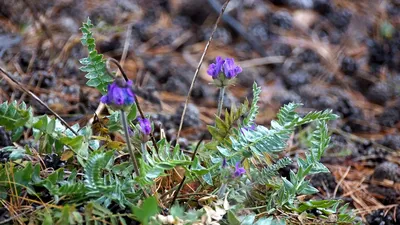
{"type": "Point", "coordinates": [323, 6]}
{"type": "Point", "coordinates": [192, 116]}
{"type": "Point", "coordinates": [390, 116]}
{"type": "Point", "coordinates": [5, 139]}
{"type": "Point", "coordinates": [282, 19]}
{"type": "Point", "coordinates": [379, 93]}
{"type": "Point", "coordinates": [349, 66]}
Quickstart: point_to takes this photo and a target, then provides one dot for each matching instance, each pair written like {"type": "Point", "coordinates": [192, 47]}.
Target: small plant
{"type": "Point", "coordinates": [236, 173]}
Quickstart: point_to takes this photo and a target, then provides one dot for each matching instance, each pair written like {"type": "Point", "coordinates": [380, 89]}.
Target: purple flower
{"type": "Point", "coordinates": [231, 70]}
{"type": "Point", "coordinates": [145, 126]}
{"type": "Point", "coordinates": [215, 68]}
{"type": "Point", "coordinates": [252, 127]}
{"type": "Point", "coordinates": [119, 93]}
{"type": "Point", "coordinates": [224, 163]}
{"type": "Point", "coordinates": [239, 171]}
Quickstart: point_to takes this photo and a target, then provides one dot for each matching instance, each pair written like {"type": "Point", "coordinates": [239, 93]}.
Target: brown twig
{"type": "Point", "coordinates": [42, 25]}
{"type": "Point", "coordinates": [184, 177]}
{"type": "Point", "coordinates": [239, 28]}
{"type": "Point", "coordinates": [198, 68]}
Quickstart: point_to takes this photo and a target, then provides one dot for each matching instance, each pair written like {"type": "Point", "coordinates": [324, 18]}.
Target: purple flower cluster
{"type": "Point", "coordinates": [119, 93]}
{"type": "Point", "coordinates": [226, 66]}
{"type": "Point", "coordinates": [145, 126]}
{"type": "Point", "coordinates": [239, 171]}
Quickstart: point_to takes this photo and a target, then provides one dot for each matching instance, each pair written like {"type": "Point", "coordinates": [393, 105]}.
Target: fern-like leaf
{"type": "Point", "coordinates": [251, 116]}
{"type": "Point", "coordinates": [267, 174]}
{"type": "Point", "coordinates": [157, 163]}
{"type": "Point", "coordinates": [94, 65]}
{"type": "Point", "coordinates": [94, 170]}
{"type": "Point", "coordinates": [319, 142]}
{"type": "Point", "coordinates": [271, 141]}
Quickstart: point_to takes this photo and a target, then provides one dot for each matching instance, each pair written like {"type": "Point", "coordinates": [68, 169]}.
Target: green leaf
{"type": "Point", "coordinates": [248, 220]}
{"type": "Point", "coordinates": [94, 64]}
{"type": "Point", "coordinates": [148, 209]}
{"type": "Point", "coordinates": [251, 116]}
{"type": "Point", "coordinates": [232, 219]}
{"type": "Point", "coordinates": [132, 113]}
{"type": "Point", "coordinates": [13, 116]}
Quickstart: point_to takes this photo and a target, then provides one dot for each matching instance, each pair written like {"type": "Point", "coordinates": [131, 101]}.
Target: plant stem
{"type": "Point", "coordinates": [143, 146]}
{"type": "Point", "coordinates": [196, 73]}
{"type": "Point", "coordinates": [184, 177]}
{"type": "Point", "coordinates": [220, 100]}
{"type": "Point", "coordinates": [222, 190]}
{"type": "Point", "coordinates": [128, 142]}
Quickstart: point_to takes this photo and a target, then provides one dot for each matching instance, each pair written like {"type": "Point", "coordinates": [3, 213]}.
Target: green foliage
{"type": "Point", "coordinates": [13, 115]}
{"type": "Point", "coordinates": [270, 141]}
{"type": "Point", "coordinates": [223, 128]}
{"type": "Point", "coordinates": [266, 175]}
{"type": "Point", "coordinates": [101, 180]}
{"type": "Point", "coordinates": [94, 65]}
{"type": "Point", "coordinates": [148, 209]}
{"type": "Point", "coordinates": [251, 116]}
{"type": "Point", "coordinates": [158, 163]}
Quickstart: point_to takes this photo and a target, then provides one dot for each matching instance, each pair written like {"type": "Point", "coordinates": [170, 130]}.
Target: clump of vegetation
{"type": "Point", "coordinates": [232, 179]}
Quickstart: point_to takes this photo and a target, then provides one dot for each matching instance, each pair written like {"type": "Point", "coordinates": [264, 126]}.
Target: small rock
{"type": "Point", "coordinates": [390, 116]}
{"type": "Point", "coordinates": [323, 6]}
{"type": "Point", "coordinates": [379, 93]}
{"type": "Point", "coordinates": [309, 56]}
{"type": "Point", "coordinates": [5, 139]}
{"type": "Point", "coordinates": [176, 85]}
{"type": "Point", "coordinates": [260, 31]}
{"type": "Point", "coordinates": [221, 36]}
{"type": "Point", "coordinates": [388, 171]}
{"type": "Point", "coordinates": [192, 116]}
{"type": "Point", "coordinates": [340, 19]}
{"type": "Point", "coordinates": [379, 217]}
{"type": "Point", "coordinates": [296, 79]}
{"type": "Point", "coordinates": [349, 66]}
{"type": "Point", "coordinates": [391, 141]}
{"type": "Point", "coordinates": [248, 77]}
{"type": "Point", "coordinates": [282, 19]}
{"type": "Point", "coordinates": [325, 181]}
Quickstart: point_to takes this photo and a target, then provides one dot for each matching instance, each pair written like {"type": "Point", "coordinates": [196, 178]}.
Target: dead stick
{"type": "Point", "coordinates": [198, 68]}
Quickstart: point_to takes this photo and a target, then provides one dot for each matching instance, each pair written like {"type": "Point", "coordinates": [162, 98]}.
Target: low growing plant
{"type": "Point", "coordinates": [232, 179]}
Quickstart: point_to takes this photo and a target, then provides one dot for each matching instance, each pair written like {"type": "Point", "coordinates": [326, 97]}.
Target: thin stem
{"type": "Point", "coordinates": [184, 177]}
{"type": "Point", "coordinates": [128, 142]}
{"type": "Point", "coordinates": [136, 99]}
{"type": "Point", "coordinates": [220, 100]}
{"type": "Point", "coordinates": [143, 147]}
{"type": "Point", "coordinates": [198, 68]}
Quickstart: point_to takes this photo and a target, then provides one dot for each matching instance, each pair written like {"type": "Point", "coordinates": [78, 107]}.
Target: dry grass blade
{"type": "Point", "coordinates": [198, 67]}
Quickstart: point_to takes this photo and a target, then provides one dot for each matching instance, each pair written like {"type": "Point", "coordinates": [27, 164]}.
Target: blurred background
{"type": "Point", "coordinates": [337, 54]}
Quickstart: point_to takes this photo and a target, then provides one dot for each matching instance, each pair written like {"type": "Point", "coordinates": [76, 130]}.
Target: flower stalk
{"type": "Point", "coordinates": [220, 100]}
{"type": "Point", "coordinates": [124, 122]}
{"type": "Point", "coordinates": [144, 151]}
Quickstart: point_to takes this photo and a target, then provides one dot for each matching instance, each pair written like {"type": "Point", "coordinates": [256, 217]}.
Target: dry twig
{"type": "Point", "coordinates": [198, 68]}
